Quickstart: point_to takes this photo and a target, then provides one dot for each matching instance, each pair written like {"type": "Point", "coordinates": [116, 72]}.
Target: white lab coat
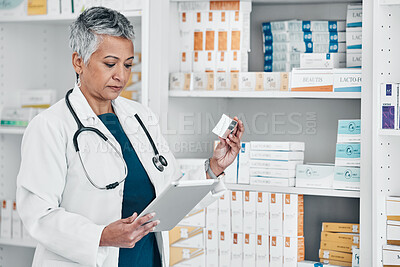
{"type": "Point", "coordinates": [56, 202]}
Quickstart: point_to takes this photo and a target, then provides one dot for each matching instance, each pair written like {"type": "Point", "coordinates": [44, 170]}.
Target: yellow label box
{"type": "Point", "coordinates": [341, 247]}
{"type": "Point", "coordinates": [335, 255]}
{"type": "Point", "coordinates": [344, 238]}
{"type": "Point", "coordinates": [341, 227]}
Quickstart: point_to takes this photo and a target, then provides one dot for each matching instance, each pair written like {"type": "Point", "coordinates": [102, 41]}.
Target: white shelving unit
{"type": "Point", "coordinates": [12, 130]}
{"type": "Point", "coordinates": [18, 243]}
{"type": "Point", "coordinates": [295, 190]}
{"type": "Point", "coordinates": [271, 94]}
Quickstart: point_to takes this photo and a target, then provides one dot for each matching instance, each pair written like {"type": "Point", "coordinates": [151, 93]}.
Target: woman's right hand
{"type": "Point", "coordinates": [125, 233]}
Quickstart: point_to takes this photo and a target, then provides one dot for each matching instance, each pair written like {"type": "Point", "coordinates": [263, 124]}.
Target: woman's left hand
{"type": "Point", "coordinates": [227, 149]}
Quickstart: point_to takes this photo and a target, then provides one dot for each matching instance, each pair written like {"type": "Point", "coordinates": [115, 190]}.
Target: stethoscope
{"type": "Point", "coordinates": [158, 160]}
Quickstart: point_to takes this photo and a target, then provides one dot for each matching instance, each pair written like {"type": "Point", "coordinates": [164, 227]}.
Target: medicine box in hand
{"type": "Point", "coordinates": [225, 126]}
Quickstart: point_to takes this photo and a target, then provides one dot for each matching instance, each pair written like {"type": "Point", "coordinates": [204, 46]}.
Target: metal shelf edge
{"type": "Point", "coordinates": [18, 243]}
{"type": "Point", "coordinates": [296, 190]}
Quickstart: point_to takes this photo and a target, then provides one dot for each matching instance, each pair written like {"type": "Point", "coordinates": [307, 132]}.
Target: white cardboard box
{"type": "Point", "coordinates": [183, 257]}
{"type": "Point", "coordinates": [293, 215]}
{"type": "Point", "coordinates": [391, 255]}
{"type": "Point", "coordinates": [353, 38]}
{"type": "Point", "coordinates": [354, 58]}
{"type": "Point", "coordinates": [186, 21]}
{"type": "Point", "coordinates": [264, 172]}
{"type": "Point", "coordinates": [315, 176]}
{"type": "Point", "coordinates": [276, 251]}
{"type": "Point", "coordinates": [347, 80]}
{"type": "Point", "coordinates": [16, 223]}
{"type": "Point", "coordinates": [224, 213]}
{"type": "Point", "coordinates": [222, 61]}
{"type": "Point", "coordinates": [262, 251]}
{"type": "Point", "coordinates": [212, 215]}
{"type": "Point", "coordinates": [354, 15]}
{"type": "Point", "coordinates": [187, 236]}
{"type": "Point", "coordinates": [235, 61]}
{"type": "Point", "coordinates": [389, 105]}
{"type": "Point", "coordinates": [179, 81]}
{"type": "Point", "coordinates": [249, 250]}
{"type": "Point", "coordinates": [346, 178]}
{"type": "Point", "coordinates": [262, 213]}
{"type": "Point", "coordinates": [247, 81]}
{"type": "Point", "coordinates": [348, 155]}
{"type": "Point", "coordinates": [194, 218]}
{"type": "Point", "coordinates": [393, 208]}
{"type": "Point", "coordinates": [274, 164]}
{"type": "Point", "coordinates": [231, 172]}
{"type": "Point", "coordinates": [237, 250]}
{"type": "Point", "coordinates": [210, 61]}
{"type": "Point", "coordinates": [237, 211]}
{"type": "Point", "coordinates": [212, 259]}
{"type": "Point", "coordinates": [277, 146]}
{"type": "Point", "coordinates": [222, 81]}
{"type": "Point", "coordinates": [244, 162]}
{"type": "Point", "coordinates": [272, 181]}
{"type": "Point", "coordinates": [225, 249]}
{"type": "Point", "coordinates": [186, 61]}
{"type": "Point", "coordinates": [249, 212]}
{"type": "Point", "coordinates": [319, 60]}
{"type": "Point", "coordinates": [6, 219]}
{"type": "Point", "coordinates": [293, 251]}
{"type": "Point", "coordinates": [199, 61]}
{"type": "Point", "coordinates": [312, 80]}
{"type": "Point", "coordinates": [349, 131]}
{"type": "Point", "coordinates": [276, 155]}
{"type": "Point", "coordinates": [202, 81]}
{"type": "Point", "coordinates": [276, 214]}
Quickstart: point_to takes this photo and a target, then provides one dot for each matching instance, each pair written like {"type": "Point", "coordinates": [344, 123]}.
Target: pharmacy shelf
{"type": "Point", "coordinates": [12, 130]}
{"type": "Point", "coordinates": [389, 132]}
{"type": "Point", "coordinates": [286, 1]}
{"type": "Point", "coordinates": [18, 242]}
{"type": "Point", "coordinates": [266, 94]}
{"type": "Point", "coordinates": [295, 190]}
{"type": "Point", "coordinates": [58, 18]}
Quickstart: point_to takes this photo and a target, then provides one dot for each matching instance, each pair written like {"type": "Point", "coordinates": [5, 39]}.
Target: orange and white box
{"type": "Point", "coordinates": [183, 257]}
{"type": "Point", "coordinates": [222, 81]}
{"type": "Point", "coordinates": [235, 19]}
{"type": "Point", "coordinates": [247, 81]}
{"type": "Point", "coordinates": [276, 214]}
{"type": "Point", "coordinates": [393, 208]}
{"type": "Point", "coordinates": [318, 80]}
{"type": "Point", "coordinates": [212, 216]}
{"type": "Point", "coordinates": [343, 238]}
{"type": "Point", "coordinates": [187, 236]}
{"type": "Point", "coordinates": [341, 227]}
{"type": "Point", "coordinates": [222, 61]}
{"type": "Point", "coordinates": [237, 211]}
{"type": "Point", "coordinates": [225, 249]}
{"type": "Point", "coordinates": [342, 247]}
{"type": "Point", "coordinates": [211, 43]}
{"type": "Point", "coordinates": [276, 81]}
{"type": "Point", "coordinates": [244, 161]}
{"type": "Point", "coordinates": [199, 61]}
{"type": "Point", "coordinates": [179, 81]}
{"type": "Point", "coordinates": [237, 250]}
{"type": "Point", "coordinates": [262, 213]}
{"type": "Point", "coordinates": [249, 250]}
{"type": "Point", "coordinates": [262, 251]}
{"type": "Point", "coordinates": [210, 61]}
{"type": "Point", "coordinates": [198, 40]}
{"type": "Point", "coordinates": [293, 215]}
{"type": "Point", "coordinates": [210, 20]}
{"type": "Point", "coordinates": [6, 219]}
{"type": "Point", "coordinates": [186, 61]}
{"type": "Point", "coordinates": [202, 81]}
{"type": "Point", "coordinates": [335, 255]}
{"type": "Point", "coordinates": [235, 61]}
{"type": "Point", "coordinates": [293, 251]}
{"type": "Point", "coordinates": [224, 213]}
{"type": "Point", "coordinates": [276, 251]}
{"type": "Point", "coordinates": [224, 40]}
{"type": "Point", "coordinates": [16, 223]}
{"type": "Point", "coordinates": [186, 21]}
{"type": "Point", "coordinates": [194, 218]}
{"type": "Point", "coordinates": [221, 19]}
{"type": "Point", "coordinates": [200, 20]}
{"type": "Point", "coordinates": [187, 41]}
{"type": "Point", "coordinates": [249, 212]}
{"type": "Point", "coordinates": [212, 248]}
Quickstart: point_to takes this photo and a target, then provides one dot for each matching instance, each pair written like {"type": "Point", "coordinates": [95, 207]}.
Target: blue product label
{"type": "Point", "coordinates": [306, 26]}
{"type": "Point", "coordinates": [328, 56]}
{"type": "Point", "coordinates": [269, 48]}
{"type": "Point", "coordinates": [332, 26]}
{"type": "Point", "coordinates": [388, 90]}
{"type": "Point", "coordinates": [266, 27]}
{"type": "Point", "coordinates": [268, 58]}
{"type": "Point", "coordinates": [349, 127]}
{"type": "Point", "coordinates": [348, 89]}
{"type": "Point", "coordinates": [354, 24]}
{"type": "Point", "coordinates": [333, 47]}
{"type": "Point", "coordinates": [243, 150]}
{"type": "Point", "coordinates": [268, 38]}
{"type": "Point", "coordinates": [309, 47]}
{"type": "Point", "coordinates": [268, 68]}
{"type": "Point", "coordinates": [346, 174]}
{"type": "Point", "coordinates": [348, 151]}
{"type": "Point", "coordinates": [388, 117]}
{"type": "Point", "coordinates": [307, 36]}
{"type": "Point", "coordinates": [333, 37]}
{"type": "Point", "coordinates": [359, 46]}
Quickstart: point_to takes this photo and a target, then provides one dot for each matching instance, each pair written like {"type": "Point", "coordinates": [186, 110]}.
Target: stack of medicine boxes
{"type": "Point", "coordinates": [347, 161]}
{"type": "Point", "coordinates": [391, 251]}
{"type": "Point", "coordinates": [270, 163]}
{"type": "Point", "coordinates": [286, 229]}
{"type": "Point", "coordinates": [283, 41]}
{"type": "Point", "coordinates": [11, 225]}
{"type": "Point", "coordinates": [187, 242]}
{"type": "Point", "coordinates": [214, 36]}
{"type": "Point", "coordinates": [338, 241]}
{"type": "Point", "coordinates": [354, 36]}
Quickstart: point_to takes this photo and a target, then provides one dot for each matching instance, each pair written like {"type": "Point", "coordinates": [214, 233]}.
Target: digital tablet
{"type": "Point", "coordinates": [176, 201]}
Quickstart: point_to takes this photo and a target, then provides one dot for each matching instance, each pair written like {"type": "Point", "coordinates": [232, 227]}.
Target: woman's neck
{"type": "Point", "coordinates": [99, 106]}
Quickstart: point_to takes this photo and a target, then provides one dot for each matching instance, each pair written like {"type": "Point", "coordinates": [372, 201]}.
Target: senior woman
{"type": "Point", "coordinates": [78, 195]}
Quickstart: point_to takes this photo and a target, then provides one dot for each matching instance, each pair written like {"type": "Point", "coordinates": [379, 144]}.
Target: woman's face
{"type": "Point", "coordinates": [108, 69]}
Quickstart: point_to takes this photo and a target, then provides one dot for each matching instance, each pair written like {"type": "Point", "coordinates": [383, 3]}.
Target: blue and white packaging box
{"type": "Point", "coordinates": [354, 38]}
{"type": "Point", "coordinates": [283, 56]}
{"type": "Point", "coordinates": [315, 175]}
{"type": "Point", "coordinates": [315, 37]}
{"type": "Point", "coordinates": [305, 47]}
{"type": "Point", "coordinates": [354, 58]}
{"type": "Point", "coordinates": [346, 178]}
{"type": "Point", "coordinates": [244, 164]}
{"type": "Point", "coordinates": [354, 15]}
{"type": "Point", "coordinates": [347, 80]}
{"type": "Point", "coordinates": [231, 172]}
{"type": "Point", "coordinates": [389, 105]}
{"type": "Point", "coordinates": [305, 26]}
{"type": "Point", "coordinates": [348, 155]}
{"type": "Point", "coordinates": [276, 155]}
{"type": "Point", "coordinates": [280, 66]}
{"type": "Point", "coordinates": [272, 181]}
{"type": "Point", "coordinates": [319, 60]}
{"type": "Point", "coordinates": [264, 172]}
{"type": "Point", "coordinates": [349, 131]}
{"type": "Point", "coordinates": [274, 164]}
{"type": "Point", "coordinates": [277, 146]}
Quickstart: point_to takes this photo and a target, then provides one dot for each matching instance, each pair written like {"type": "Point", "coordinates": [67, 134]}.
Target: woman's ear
{"type": "Point", "coordinates": [77, 63]}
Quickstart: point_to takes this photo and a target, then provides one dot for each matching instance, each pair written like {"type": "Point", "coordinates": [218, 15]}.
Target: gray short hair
{"type": "Point", "coordinates": [85, 31]}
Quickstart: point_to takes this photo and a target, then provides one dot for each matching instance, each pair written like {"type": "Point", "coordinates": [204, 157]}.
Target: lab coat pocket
{"type": "Point", "coordinates": [56, 263]}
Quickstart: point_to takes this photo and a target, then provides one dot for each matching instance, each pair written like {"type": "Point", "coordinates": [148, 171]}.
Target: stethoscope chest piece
{"type": "Point", "coordinates": [160, 162]}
